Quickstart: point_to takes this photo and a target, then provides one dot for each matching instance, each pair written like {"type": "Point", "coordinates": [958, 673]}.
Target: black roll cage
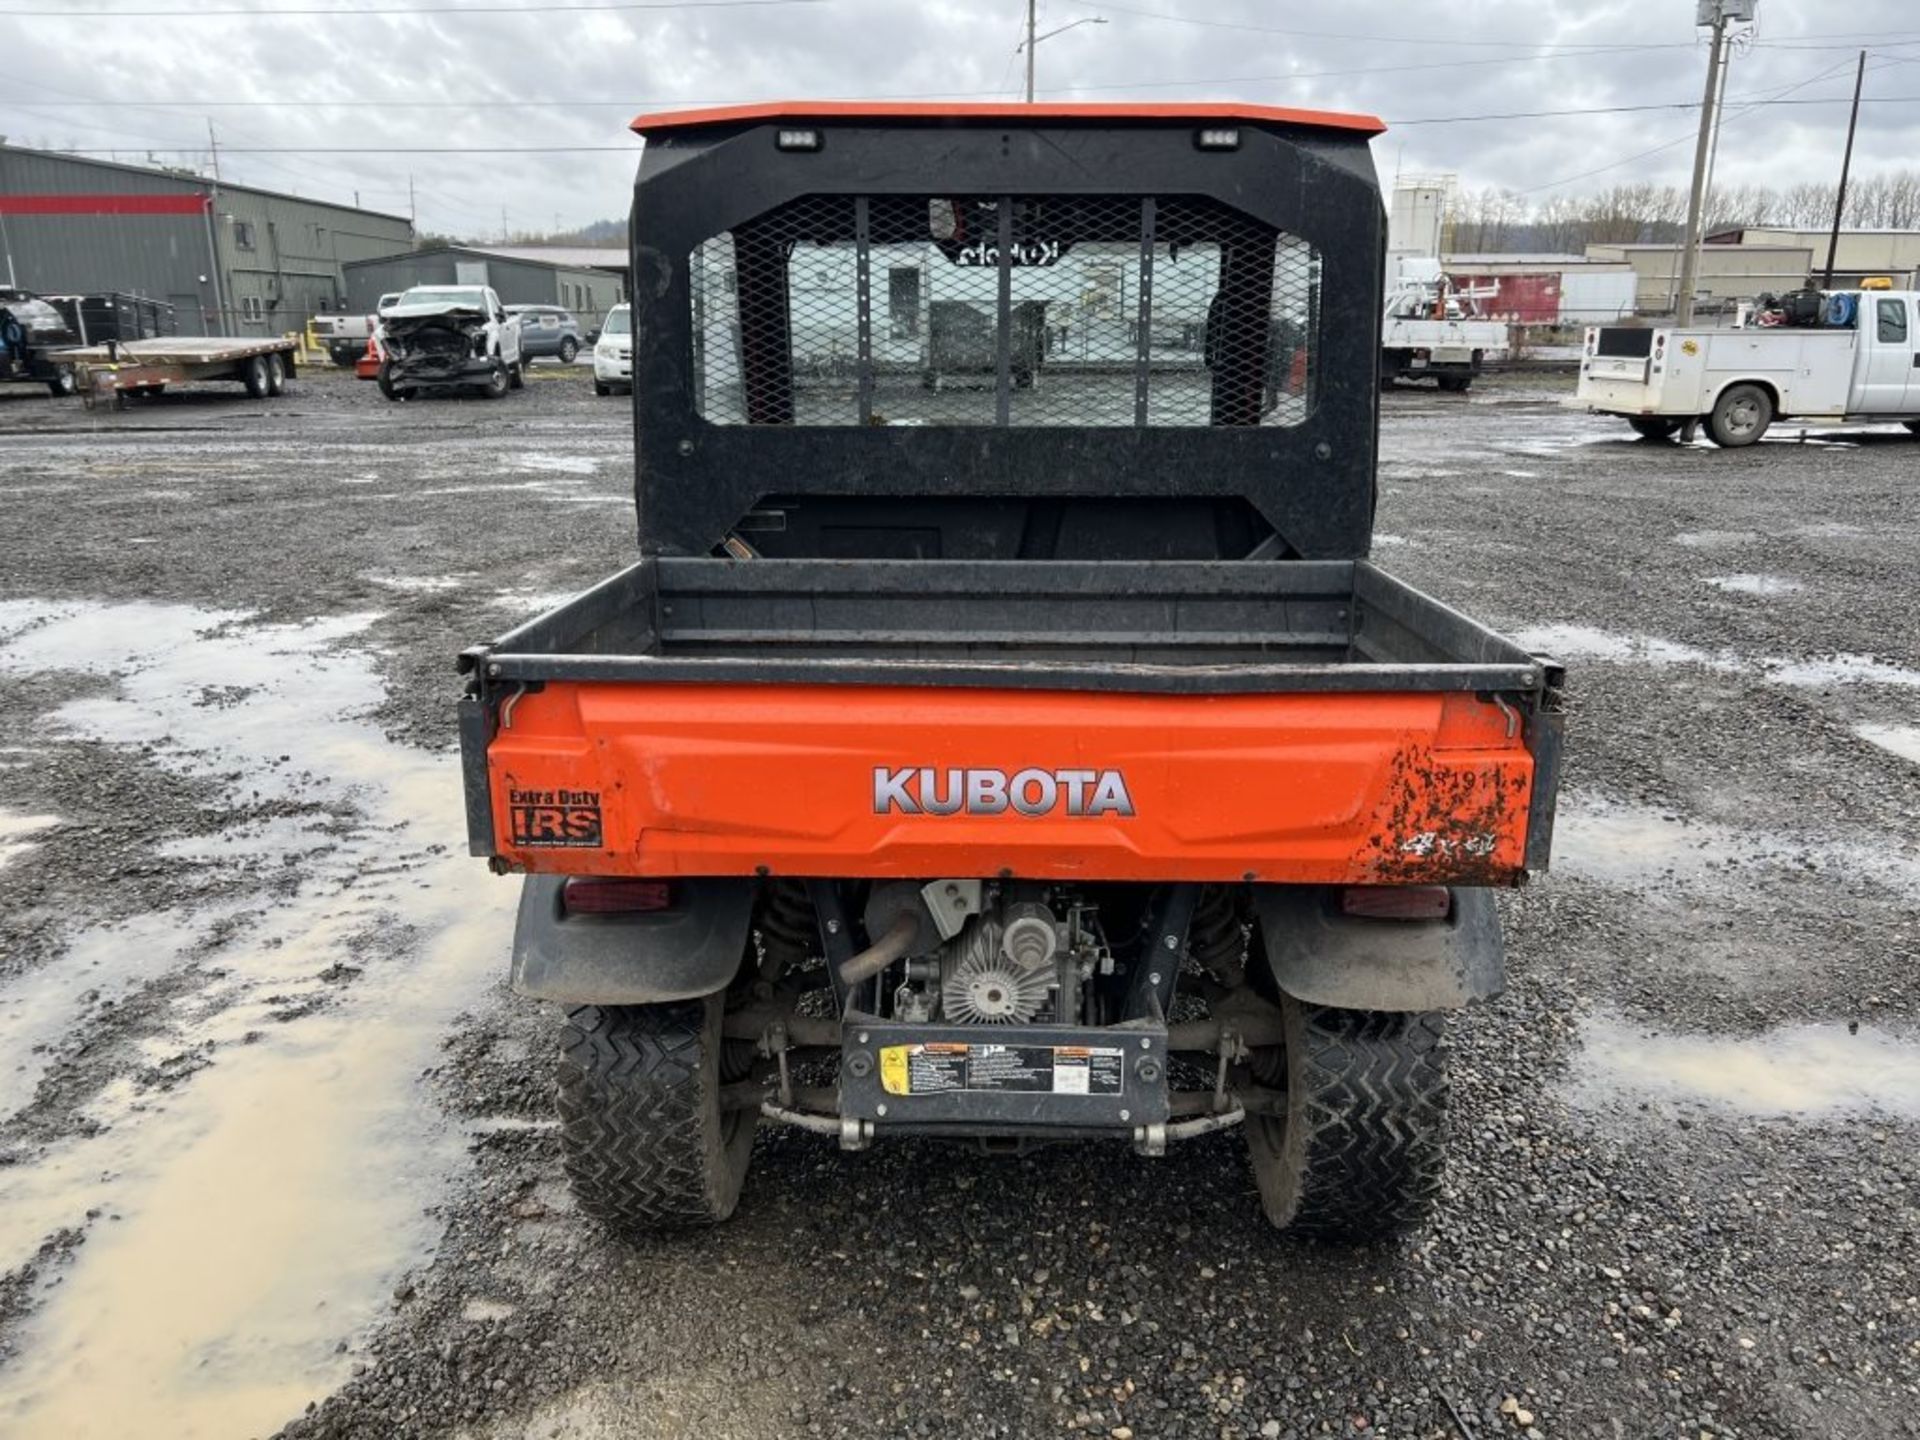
{"type": "Point", "coordinates": [1312, 483]}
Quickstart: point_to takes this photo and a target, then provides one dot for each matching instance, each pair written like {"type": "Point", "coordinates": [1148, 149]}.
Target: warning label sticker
{"type": "Point", "coordinates": [941, 1068]}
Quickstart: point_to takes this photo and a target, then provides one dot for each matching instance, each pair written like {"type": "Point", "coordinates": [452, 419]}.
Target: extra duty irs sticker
{"type": "Point", "coordinates": [939, 1069]}
{"type": "Point", "coordinates": [567, 819]}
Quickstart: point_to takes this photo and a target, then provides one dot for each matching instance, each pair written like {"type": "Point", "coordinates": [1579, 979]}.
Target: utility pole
{"type": "Point", "coordinates": [1033, 39]}
{"type": "Point", "coordinates": [1846, 164]}
{"type": "Point", "coordinates": [1696, 199]}
{"type": "Point", "coordinates": [1030, 9]}
{"type": "Point", "coordinates": [213, 236]}
{"type": "Point", "coordinates": [413, 219]}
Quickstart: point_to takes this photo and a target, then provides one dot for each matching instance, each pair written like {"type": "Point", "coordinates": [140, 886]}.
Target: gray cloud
{"type": "Point", "coordinates": [500, 80]}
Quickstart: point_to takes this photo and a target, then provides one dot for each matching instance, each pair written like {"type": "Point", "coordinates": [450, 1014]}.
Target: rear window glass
{"type": "Point", "coordinates": [1103, 311]}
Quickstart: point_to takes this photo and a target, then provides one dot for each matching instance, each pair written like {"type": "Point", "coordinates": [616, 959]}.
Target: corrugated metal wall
{"type": "Point", "coordinates": [165, 256]}
{"type": "Point", "coordinates": [286, 257]}
{"type": "Point", "coordinates": [588, 293]}
{"type": "Point", "coordinates": [73, 225]}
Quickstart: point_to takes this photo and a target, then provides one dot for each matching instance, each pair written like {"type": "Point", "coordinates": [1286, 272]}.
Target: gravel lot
{"type": "Point", "coordinates": [273, 1137]}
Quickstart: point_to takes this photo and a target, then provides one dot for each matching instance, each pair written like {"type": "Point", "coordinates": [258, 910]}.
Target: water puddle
{"type": "Point", "coordinates": [1755, 584]}
{"type": "Point", "coordinates": [1840, 670]}
{"type": "Point", "coordinates": [1648, 849]}
{"type": "Point", "coordinates": [418, 584]}
{"type": "Point", "coordinates": [14, 830]}
{"type": "Point", "coordinates": [558, 464]}
{"type": "Point", "coordinates": [1801, 1071]}
{"type": "Point", "coordinates": [1901, 740]}
{"type": "Point", "coordinates": [45, 1008]}
{"type": "Point", "coordinates": [244, 1220]}
{"type": "Point", "coordinates": [529, 603]}
{"type": "Point", "coordinates": [1586, 642]}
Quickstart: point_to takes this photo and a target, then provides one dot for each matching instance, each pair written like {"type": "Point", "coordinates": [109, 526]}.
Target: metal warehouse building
{"type": "Point", "coordinates": [230, 259]}
{"type": "Point", "coordinates": [589, 282]}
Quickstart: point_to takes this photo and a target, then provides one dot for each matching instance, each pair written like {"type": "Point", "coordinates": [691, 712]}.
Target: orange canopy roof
{"type": "Point", "coordinates": [1200, 113]}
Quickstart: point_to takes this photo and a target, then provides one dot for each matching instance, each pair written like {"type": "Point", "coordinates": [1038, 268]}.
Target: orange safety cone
{"type": "Point", "coordinates": [367, 367]}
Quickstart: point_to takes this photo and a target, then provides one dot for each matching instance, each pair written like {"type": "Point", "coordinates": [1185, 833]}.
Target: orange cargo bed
{"type": "Point", "coordinates": [899, 781]}
{"type": "Point", "coordinates": [1212, 722]}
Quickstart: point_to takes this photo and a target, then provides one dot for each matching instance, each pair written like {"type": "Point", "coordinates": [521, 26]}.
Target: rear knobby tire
{"type": "Point", "coordinates": [1358, 1153]}
{"type": "Point", "coordinates": [647, 1144]}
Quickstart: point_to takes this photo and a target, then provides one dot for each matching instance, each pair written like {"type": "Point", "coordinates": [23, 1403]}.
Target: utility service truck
{"type": "Point", "coordinates": [1027, 759]}
{"type": "Point", "coordinates": [1809, 355]}
{"type": "Point", "coordinates": [1429, 330]}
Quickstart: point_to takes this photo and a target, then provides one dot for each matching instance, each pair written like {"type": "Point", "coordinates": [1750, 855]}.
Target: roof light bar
{"type": "Point", "coordinates": [798, 140]}
{"type": "Point", "coordinates": [1225, 137]}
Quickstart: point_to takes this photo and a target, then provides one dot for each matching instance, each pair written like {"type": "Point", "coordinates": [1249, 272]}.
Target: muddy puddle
{"type": "Point", "coordinates": [253, 1179]}
{"type": "Point", "coordinates": [17, 832]}
{"type": "Point", "coordinates": [1762, 585]}
{"type": "Point", "coordinates": [1568, 642]}
{"type": "Point", "coordinates": [1648, 849]}
{"type": "Point", "coordinates": [1901, 740]}
{"type": "Point", "coordinates": [1801, 1071]}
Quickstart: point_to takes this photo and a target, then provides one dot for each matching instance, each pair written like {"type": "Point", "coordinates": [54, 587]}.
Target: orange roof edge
{"type": "Point", "coordinates": [917, 110]}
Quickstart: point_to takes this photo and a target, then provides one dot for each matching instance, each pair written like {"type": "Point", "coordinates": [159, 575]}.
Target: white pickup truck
{"type": "Point", "coordinates": [1860, 361]}
{"type": "Point", "coordinates": [344, 337]}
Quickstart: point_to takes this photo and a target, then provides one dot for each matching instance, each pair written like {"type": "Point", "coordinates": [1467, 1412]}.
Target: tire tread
{"type": "Point", "coordinates": [644, 1140]}
{"type": "Point", "coordinates": [1362, 1152]}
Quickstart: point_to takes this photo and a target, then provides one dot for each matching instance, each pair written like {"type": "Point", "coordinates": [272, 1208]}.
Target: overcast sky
{"type": "Point", "coordinates": [573, 74]}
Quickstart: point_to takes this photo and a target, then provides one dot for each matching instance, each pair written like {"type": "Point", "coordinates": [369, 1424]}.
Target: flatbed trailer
{"type": "Point", "coordinates": [143, 368]}
{"type": "Point", "coordinates": [1032, 758]}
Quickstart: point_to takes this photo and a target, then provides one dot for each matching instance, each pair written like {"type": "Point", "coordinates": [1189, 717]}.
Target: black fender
{"type": "Point", "coordinates": [691, 950]}
{"type": "Point", "coordinates": [1320, 956]}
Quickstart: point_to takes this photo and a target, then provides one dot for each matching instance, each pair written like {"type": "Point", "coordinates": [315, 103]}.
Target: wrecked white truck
{"type": "Point", "coordinates": [441, 336]}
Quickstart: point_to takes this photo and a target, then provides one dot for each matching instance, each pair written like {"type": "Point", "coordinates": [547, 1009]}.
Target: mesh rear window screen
{"type": "Point", "coordinates": [1073, 310]}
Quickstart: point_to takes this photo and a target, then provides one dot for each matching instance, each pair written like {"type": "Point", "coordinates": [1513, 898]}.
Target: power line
{"type": "Point", "coordinates": [1295, 33]}
{"type": "Point", "coordinates": [1772, 97]}
{"type": "Point", "coordinates": [530, 103]}
{"type": "Point", "coordinates": [517, 9]}
{"type": "Point", "coordinates": [1788, 42]}
{"type": "Point", "coordinates": [1425, 120]}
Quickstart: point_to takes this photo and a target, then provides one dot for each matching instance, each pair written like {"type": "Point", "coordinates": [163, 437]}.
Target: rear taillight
{"type": "Point", "coordinates": [1397, 902]}
{"type": "Point", "coordinates": [615, 895]}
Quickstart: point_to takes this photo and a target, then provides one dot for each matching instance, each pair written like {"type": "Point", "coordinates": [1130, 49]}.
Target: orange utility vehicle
{"type": "Point", "coordinates": [1002, 733]}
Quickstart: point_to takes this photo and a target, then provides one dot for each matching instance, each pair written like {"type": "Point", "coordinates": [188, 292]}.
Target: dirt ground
{"type": "Point", "coordinates": [274, 1141]}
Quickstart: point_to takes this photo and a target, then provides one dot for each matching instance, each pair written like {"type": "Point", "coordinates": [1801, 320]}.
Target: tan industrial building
{"type": "Point", "coordinates": [1860, 255]}
{"type": "Point", "coordinates": [1741, 263]}
{"type": "Point", "coordinates": [1728, 274]}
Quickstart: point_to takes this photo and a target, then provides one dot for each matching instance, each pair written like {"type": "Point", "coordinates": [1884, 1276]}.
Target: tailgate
{"type": "Point", "coordinates": [855, 780]}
